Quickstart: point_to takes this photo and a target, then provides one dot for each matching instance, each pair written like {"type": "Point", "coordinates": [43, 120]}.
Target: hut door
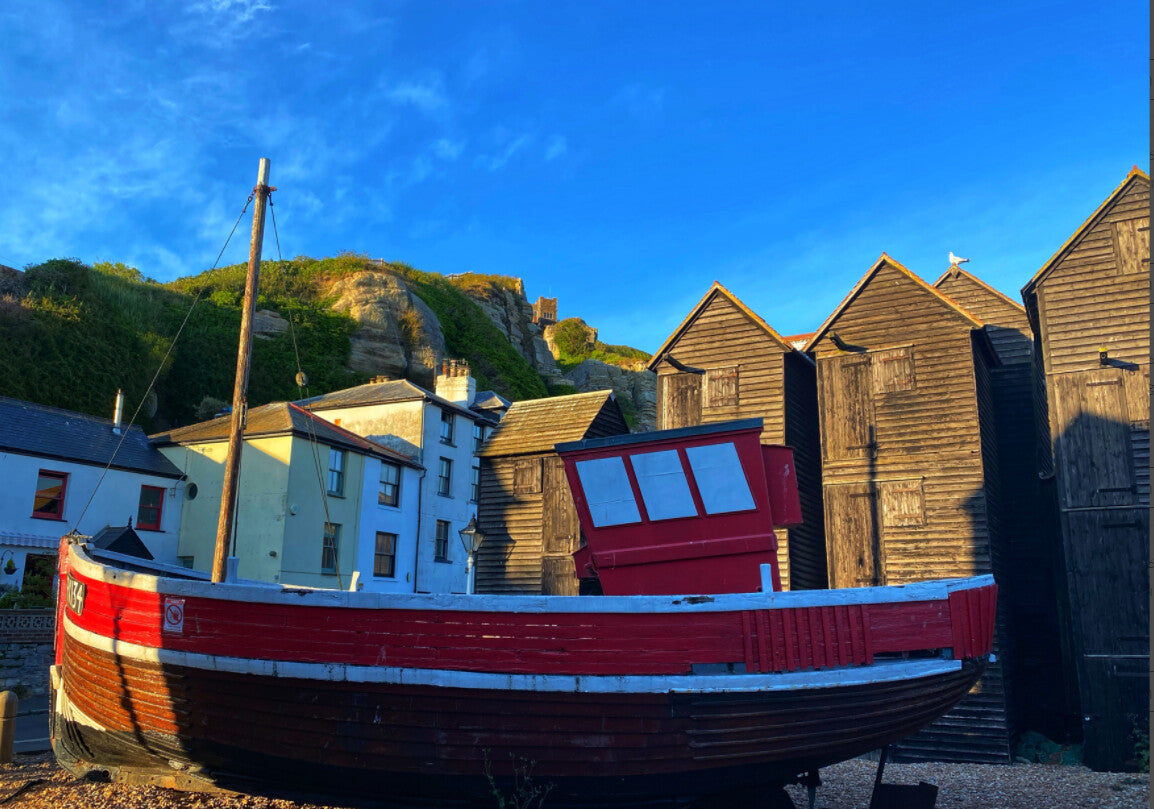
{"type": "Point", "coordinates": [1092, 439]}
{"type": "Point", "coordinates": [560, 531]}
{"type": "Point", "coordinates": [847, 413]}
{"type": "Point", "coordinates": [680, 396]}
{"type": "Point", "coordinates": [853, 535]}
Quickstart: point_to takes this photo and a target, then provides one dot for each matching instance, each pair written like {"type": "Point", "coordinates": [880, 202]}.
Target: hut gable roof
{"type": "Point", "coordinates": [278, 419]}
{"type": "Point", "coordinates": [536, 425]}
{"type": "Point", "coordinates": [948, 305]}
{"type": "Point", "coordinates": [977, 296]}
{"type": "Point", "coordinates": [1135, 177]}
{"type": "Point", "coordinates": [715, 291]}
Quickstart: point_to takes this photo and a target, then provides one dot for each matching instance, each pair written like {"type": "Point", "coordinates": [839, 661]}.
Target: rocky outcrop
{"type": "Point", "coordinates": [399, 336]}
{"type": "Point", "coordinates": [636, 390]}
{"type": "Point", "coordinates": [510, 312]}
{"type": "Point", "coordinates": [268, 324]}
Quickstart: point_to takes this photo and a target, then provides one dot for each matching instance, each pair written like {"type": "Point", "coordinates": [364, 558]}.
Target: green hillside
{"type": "Point", "coordinates": [72, 334]}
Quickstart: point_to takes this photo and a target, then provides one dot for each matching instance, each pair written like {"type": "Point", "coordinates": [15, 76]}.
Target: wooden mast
{"type": "Point", "coordinates": [240, 386]}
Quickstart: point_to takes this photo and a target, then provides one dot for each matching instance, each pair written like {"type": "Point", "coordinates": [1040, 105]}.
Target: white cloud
{"type": "Point", "coordinates": [427, 96]}
{"type": "Point", "coordinates": [230, 11]}
{"type": "Point", "coordinates": [498, 161]}
{"type": "Point", "coordinates": [556, 147]}
{"type": "Point", "coordinates": [447, 149]}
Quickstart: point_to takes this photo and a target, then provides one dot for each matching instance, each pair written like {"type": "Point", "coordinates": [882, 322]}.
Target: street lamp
{"type": "Point", "coordinates": [471, 538]}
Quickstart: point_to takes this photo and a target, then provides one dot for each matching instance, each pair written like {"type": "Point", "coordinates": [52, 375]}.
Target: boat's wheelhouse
{"type": "Point", "coordinates": [681, 511]}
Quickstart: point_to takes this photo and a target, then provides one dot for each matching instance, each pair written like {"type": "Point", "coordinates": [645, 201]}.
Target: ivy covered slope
{"type": "Point", "coordinates": [72, 334]}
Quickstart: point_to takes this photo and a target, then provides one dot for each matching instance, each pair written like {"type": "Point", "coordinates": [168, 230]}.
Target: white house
{"type": "Point", "coordinates": [317, 505]}
{"type": "Point", "coordinates": [65, 471]}
{"type": "Point", "coordinates": [441, 431]}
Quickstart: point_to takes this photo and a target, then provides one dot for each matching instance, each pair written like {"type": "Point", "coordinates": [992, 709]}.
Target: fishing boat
{"type": "Point", "coordinates": [691, 677]}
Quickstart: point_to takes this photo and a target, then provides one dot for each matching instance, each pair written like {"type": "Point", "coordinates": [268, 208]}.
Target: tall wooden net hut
{"type": "Point", "coordinates": [525, 508]}
{"type": "Point", "coordinates": [1089, 307]}
{"type": "Point", "coordinates": [1044, 699]}
{"type": "Point", "coordinates": [909, 465]}
{"type": "Point", "coordinates": [724, 362]}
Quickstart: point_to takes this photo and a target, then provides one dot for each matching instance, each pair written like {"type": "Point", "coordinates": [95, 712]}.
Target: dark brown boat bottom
{"type": "Point", "coordinates": [392, 745]}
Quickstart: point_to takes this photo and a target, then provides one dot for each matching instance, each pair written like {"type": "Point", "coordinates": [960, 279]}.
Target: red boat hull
{"type": "Point", "coordinates": [645, 700]}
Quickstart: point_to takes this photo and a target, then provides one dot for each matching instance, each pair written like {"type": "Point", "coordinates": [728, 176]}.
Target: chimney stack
{"type": "Point", "coordinates": [118, 413]}
{"type": "Point", "coordinates": [455, 383]}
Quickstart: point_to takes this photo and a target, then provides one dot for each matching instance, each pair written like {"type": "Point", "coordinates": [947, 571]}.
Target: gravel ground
{"type": "Point", "coordinates": [35, 782]}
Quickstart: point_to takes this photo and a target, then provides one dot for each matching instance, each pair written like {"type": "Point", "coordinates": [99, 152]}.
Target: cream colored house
{"type": "Point", "coordinates": [317, 505]}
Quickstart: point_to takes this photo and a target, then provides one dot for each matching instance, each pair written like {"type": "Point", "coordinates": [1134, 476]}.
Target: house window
{"type": "Point", "coordinates": [385, 556]}
{"type": "Point", "coordinates": [336, 472]}
{"type": "Point", "coordinates": [329, 545]}
{"type": "Point", "coordinates": [478, 436]}
{"type": "Point", "coordinates": [444, 475]}
{"type": "Point", "coordinates": [446, 427]}
{"type": "Point", "coordinates": [390, 491]}
{"type": "Point", "coordinates": [151, 504]}
{"type": "Point", "coordinates": [441, 542]}
{"type": "Point", "coordinates": [475, 492]}
{"type": "Point", "coordinates": [49, 502]}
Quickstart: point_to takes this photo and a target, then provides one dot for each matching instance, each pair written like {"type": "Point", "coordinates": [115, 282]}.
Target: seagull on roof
{"type": "Point", "coordinates": [957, 260]}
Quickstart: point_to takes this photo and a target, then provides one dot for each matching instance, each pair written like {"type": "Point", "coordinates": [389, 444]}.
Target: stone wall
{"type": "Point", "coordinates": [26, 650]}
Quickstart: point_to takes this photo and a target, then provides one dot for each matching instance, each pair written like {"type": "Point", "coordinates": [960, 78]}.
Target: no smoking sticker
{"type": "Point", "coordinates": [174, 615]}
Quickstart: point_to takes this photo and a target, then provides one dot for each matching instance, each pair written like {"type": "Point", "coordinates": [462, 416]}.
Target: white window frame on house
{"type": "Point", "coordinates": [337, 462]}
{"type": "Point", "coordinates": [389, 493]}
{"type": "Point", "coordinates": [150, 525]}
{"type": "Point", "coordinates": [475, 489]}
{"type": "Point", "coordinates": [445, 477]}
{"type": "Point", "coordinates": [478, 436]}
{"type": "Point", "coordinates": [330, 547]}
{"type": "Point", "coordinates": [441, 542]}
{"type": "Point", "coordinates": [447, 426]}
{"type": "Point", "coordinates": [385, 555]}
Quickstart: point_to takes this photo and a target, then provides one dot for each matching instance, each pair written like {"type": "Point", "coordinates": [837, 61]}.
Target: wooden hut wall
{"type": "Point", "coordinates": [526, 507]}
{"type": "Point", "coordinates": [510, 512]}
{"type": "Point", "coordinates": [1096, 294]}
{"type": "Point", "coordinates": [904, 477]}
{"type": "Point", "coordinates": [745, 376]}
{"type": "Point", "coordinates": [1041, 663]}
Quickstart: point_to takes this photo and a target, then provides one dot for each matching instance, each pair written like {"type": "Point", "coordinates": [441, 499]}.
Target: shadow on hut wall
{"type": "Point", "coordinates": [1103, 492]}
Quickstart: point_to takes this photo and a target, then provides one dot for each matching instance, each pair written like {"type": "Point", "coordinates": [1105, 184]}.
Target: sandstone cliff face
{"type": "Point", "coordinates": [513, 315]}
{"type": "Point", "coordinates": [638, 387]}
{"type": "Point", "coordinates": [399, 336]}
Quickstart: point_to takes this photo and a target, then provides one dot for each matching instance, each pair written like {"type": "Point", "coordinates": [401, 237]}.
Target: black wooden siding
{"type": "Point", "coordinates": [1094, 294]}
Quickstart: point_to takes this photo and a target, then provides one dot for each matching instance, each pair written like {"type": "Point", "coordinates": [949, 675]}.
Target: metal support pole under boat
{"type": "Point", "coordinates": [240, 386]}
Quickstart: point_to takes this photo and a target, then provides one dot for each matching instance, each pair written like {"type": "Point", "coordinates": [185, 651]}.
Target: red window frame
{"type": "Point", "coordinates": [141, 522]}
{"type": "Point", "coordinates": [57, 511]}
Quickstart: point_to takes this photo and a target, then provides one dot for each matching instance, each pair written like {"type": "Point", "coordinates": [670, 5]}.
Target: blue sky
{"type": "Point", "coordinates": [618, 156]}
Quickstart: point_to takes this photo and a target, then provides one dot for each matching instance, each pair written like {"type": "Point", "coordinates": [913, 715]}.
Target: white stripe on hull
{"type": "Point", "coordinates": [879, 672]}
{"type": "Point", "coordinates": [257, 592]}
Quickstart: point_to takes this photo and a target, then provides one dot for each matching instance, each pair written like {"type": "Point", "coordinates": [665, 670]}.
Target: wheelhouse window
{"type": "Point", "coordinates": [390, 491]}
{"type": "Point", "coordinates": [49, 501]}
{"type": "Point", "coordinates": [150, 507]}
{"type": "Point", "coordinates": [447, 419]}
{"type": "Point", "coordinates": [336, 472]}
{"type": "Point", "coordinates": [444, 476]}
{"type": "Point", "coordinates": [441, 541]}
{"type": "Point", "coordinates": [385, 555]}
{"type": "Point", "coordinates": [329, 544]}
